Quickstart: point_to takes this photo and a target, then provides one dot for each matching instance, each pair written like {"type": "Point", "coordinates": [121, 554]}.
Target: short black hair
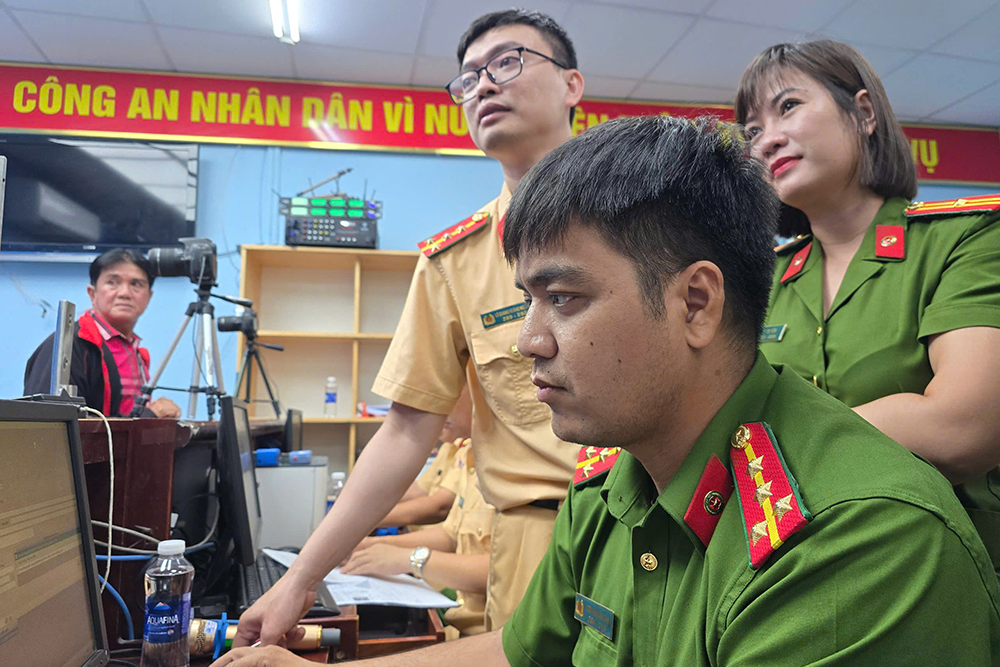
{"type": "Point", "coordinates": [553, 34]}
{"type": "Point", "coordinates": [117, 256]}
{"type": "Point", "coordinates": [665, 192]}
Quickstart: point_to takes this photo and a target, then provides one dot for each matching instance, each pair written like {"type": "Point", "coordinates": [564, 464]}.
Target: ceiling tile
{"type": "Point", "coordinates": [929, 83]}
{"type": "Point", "coordinates": [982, 108]}
{"type": "Point", "coordinates": [125, 10]}
{"type": "Point", "coordinates": [242, 17]}
{"type": "Point", "coordinates": [978, 39]}
{"type": "Point", "coordinates": [641, 38]}
{"type": "Point", "coordinates": [433, 71]}
{"type": "Point", "coordinates": [447, 20]}
{"type": "Point", "coordinates": [697, 60]}
{"type": "Point", "coordinates": [685, 6]}
{"type": "Point", "coordinates": [76, 40]}
{"type": "Point", "coordinates": [327, 63]}
{"type": "Point", "coordinates": [672, 92]}
{"type": "Point", "coordinates": [221, 53]}
{"type": "Point", "coordinates": [885, 60]}
{"type": "Point", "coordinates": [376, 25]}
{"type": "Point", "coordinates": [789, 14]}
{"type": "Point", "coordinates": [14, 45]}
{"type": "Point", "coordinates": [904, 23]}
{"type": "Point", "coordinates": [602, 86]}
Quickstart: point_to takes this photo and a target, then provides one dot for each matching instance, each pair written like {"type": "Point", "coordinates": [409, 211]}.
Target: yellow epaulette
{"type": "Point", "coordinates": [449, 237]}
{"type": "Point", "coordinates": [954, 207]}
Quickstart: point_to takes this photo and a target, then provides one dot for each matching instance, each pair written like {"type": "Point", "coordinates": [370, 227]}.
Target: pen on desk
{"type": "Point", "coordinates": [255, 644]}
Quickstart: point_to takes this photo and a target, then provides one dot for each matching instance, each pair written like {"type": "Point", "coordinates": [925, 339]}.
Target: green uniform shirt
{"type": "Point", "coordinates": [873, 342]}
{"type": "Point", "coordinates": [889, 571]}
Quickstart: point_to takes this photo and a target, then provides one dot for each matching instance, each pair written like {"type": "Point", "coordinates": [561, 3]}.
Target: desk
{"type": "Point", "coordinates": [144, 452]}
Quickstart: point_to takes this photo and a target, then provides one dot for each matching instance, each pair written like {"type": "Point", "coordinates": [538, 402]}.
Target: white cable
{"type": "Point", "coordinates": [147, 552]}
{"type": "Point", "coordinates": [111, 490]}
{"type": "Point", "coordinates": [122, 529]}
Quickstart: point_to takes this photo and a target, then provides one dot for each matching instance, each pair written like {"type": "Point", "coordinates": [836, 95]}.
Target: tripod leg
{"type": "Point", "coordinates": [216, 356]}
{"type": "Point", "coordinates": [147, 390]}
{"type": "Point", "coordinates": [196, 369]}
{"type": "Point", "coordinates": [267, 384]}
{"type": "Point", "coordinates": [244, 374]}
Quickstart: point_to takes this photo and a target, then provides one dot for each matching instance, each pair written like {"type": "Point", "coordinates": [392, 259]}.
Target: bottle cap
{"type": "Point", "coordinates": [338, 475]}
{"type": "Point", "coordinates": [171, 548]}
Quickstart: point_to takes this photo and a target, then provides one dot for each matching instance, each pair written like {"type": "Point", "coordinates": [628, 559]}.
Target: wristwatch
{"type": "Point", "coordinates": [417, 560]}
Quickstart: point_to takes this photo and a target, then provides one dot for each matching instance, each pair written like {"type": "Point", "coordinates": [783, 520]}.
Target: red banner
{"type": "Point", "coordinates": [176, 107]}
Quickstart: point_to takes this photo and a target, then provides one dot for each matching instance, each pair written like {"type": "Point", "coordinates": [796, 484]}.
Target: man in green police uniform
{"type": "Point", "coordinates": [751, 519]}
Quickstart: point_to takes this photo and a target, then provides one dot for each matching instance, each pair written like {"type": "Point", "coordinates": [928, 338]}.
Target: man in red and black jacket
{"type": "Point", "coordinates": [109, 366]}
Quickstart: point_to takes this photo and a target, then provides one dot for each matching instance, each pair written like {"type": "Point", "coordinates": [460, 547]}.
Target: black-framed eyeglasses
{"type": "Point", "coordinates": [501, 69]}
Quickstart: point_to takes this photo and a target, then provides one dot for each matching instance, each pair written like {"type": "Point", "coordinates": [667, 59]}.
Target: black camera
{"type": "Point", "coordinates": [196, 260]}
{"type": "Point", "coordinates": [245, 322]}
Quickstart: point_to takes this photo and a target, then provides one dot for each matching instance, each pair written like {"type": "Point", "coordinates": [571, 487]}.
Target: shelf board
{"type": "Point", "coordinates": [343, 420]}
{"type": "Point", "coordinates": [310, 257]}
{"type": "Point", "coordinates": [268, 335]}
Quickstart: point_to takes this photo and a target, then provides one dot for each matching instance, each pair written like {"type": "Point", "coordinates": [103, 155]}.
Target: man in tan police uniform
{"type": "Point", "coordinates": [518, 87]}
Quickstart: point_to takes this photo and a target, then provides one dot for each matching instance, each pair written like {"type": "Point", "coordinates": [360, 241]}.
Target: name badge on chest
{"type": "Point", "coordinates": [597, 616]}
{"type": "Point", "coordinates": [504, 315]}
{"type": "Point", "coordinates": [773, 333]}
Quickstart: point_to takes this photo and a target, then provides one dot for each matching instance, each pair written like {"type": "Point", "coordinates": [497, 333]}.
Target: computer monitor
{"type": "Point", "coordinates": [293, 431]}
{"type": "Point", "coordinates": [238, 479]}
{"type": "Point", "coordinates": [50, 609]}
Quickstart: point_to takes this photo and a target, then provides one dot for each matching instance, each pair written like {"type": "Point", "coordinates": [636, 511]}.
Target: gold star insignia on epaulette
{"type": "Point", "coordinates": [758, 531]}
{"type": "Point", "coordinates": [763, 492]}
{"type": "Point", "coordinates": [783, 505]}
{"type": "Point", "coordinates": [591, 451]}
{"type": "Point", "coordinates": [755, 466]}
{"type": "Point", "coordinates": [587, 469]}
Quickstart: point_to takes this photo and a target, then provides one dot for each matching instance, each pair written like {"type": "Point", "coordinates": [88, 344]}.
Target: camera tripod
{"type": "Point", "coordinates": [252, 354]}
{"type": "Point", "coordinates": [206, 360]}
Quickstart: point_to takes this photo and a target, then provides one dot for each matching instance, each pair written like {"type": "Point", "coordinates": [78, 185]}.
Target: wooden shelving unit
{"type": "Point", "coordinates": [335, 311]}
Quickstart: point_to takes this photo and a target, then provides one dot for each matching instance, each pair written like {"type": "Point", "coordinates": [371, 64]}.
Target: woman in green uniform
{"type": "Point", "coordinates": [890, 306]}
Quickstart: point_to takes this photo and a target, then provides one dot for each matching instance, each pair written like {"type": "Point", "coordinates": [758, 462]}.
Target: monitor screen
{"type": "Point", "coordinates": [79, 195]}
{"type": "Point", "coordinates": [293, 431]}
{"type": "Point", "coordinates": [238, 479]}
{"type": "Point", "coordinates": [46, 550]}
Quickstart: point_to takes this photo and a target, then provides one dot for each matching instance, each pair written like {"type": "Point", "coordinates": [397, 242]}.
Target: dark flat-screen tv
{"type": "Point", "coordinates": [68, 195]}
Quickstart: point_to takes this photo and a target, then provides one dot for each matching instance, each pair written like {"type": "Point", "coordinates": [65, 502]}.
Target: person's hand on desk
{"type": "Point", "coordinates": [276, 613]}
{"type": "Point", "coordinates": [264, 656]}
{"type": "Point", "coordinates": [378, 559]}
{"type": "Point", "coordinates": [164, 408]}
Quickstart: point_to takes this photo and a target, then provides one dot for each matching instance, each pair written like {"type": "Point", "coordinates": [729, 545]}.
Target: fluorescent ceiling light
{"type": "Point", "coordinates": [285, 20]}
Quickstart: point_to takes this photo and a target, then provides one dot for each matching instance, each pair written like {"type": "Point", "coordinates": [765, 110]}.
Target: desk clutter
{"type": "Point", "coordinates": [134, 591]}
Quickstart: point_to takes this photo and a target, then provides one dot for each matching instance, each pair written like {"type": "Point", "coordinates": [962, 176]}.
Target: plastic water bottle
{"type": "Point", "coordinates": [330, 398]}
{"type": "Point", "coordinates": [168, 608]}
{"type": "Point", "coordinates": [334, 488]}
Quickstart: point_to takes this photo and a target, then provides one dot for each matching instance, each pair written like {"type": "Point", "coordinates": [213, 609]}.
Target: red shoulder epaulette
{"type": "Point", "coordinates": [980, 204]}
{"type": "Point", "coordinates": [772, 508]}
{"type": "Point", "coordinates": [452, 235]}
{"type": "Point", "coordinates": [593, 462]}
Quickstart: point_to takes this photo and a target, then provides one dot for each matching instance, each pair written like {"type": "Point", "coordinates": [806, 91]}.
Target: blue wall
{"type": "Point", "coordinates": [422, 194]}
{"type": "Point", "coordinates": [237, 205]}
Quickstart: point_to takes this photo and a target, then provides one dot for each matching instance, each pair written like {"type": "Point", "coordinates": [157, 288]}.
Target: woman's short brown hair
{"type": "Point", "coordinates": [887, 166]}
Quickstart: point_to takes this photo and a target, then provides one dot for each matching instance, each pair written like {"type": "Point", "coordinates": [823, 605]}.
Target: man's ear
{"type": "Point", "coordinates": [703, 290]}
{"type": "Point", "coordinates": [91, 292]}
{"type": "Point", "coordinates": [574, 86]}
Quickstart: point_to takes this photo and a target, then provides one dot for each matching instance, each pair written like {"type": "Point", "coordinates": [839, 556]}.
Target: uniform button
{"type": "Point", "coordinates": [815, 380]}
{"type": "Point", "coordinates": [515, 351]}
{"type": "Point", "coordinates": [479, 531]}
{"type": "Point", "coordinates": [648, 562]}
{"type": "Point", "coordinates": [819, 331]}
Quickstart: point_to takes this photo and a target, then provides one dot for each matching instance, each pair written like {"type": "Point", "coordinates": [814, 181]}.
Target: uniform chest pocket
{"type": "Point", "coordinates": [506, 375]}
{"type": "Point", "coordinates": [591, 650]}
{"type": "Point", "coordinates": [474, 531]}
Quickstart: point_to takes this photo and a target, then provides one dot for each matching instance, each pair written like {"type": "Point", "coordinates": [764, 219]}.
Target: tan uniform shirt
{"type": "Point", "coordinates": [469, 523]}
{"type": "Point", "coordinates": [443, 472]}
{"type": "Point", "coordinates": [518, 457]}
